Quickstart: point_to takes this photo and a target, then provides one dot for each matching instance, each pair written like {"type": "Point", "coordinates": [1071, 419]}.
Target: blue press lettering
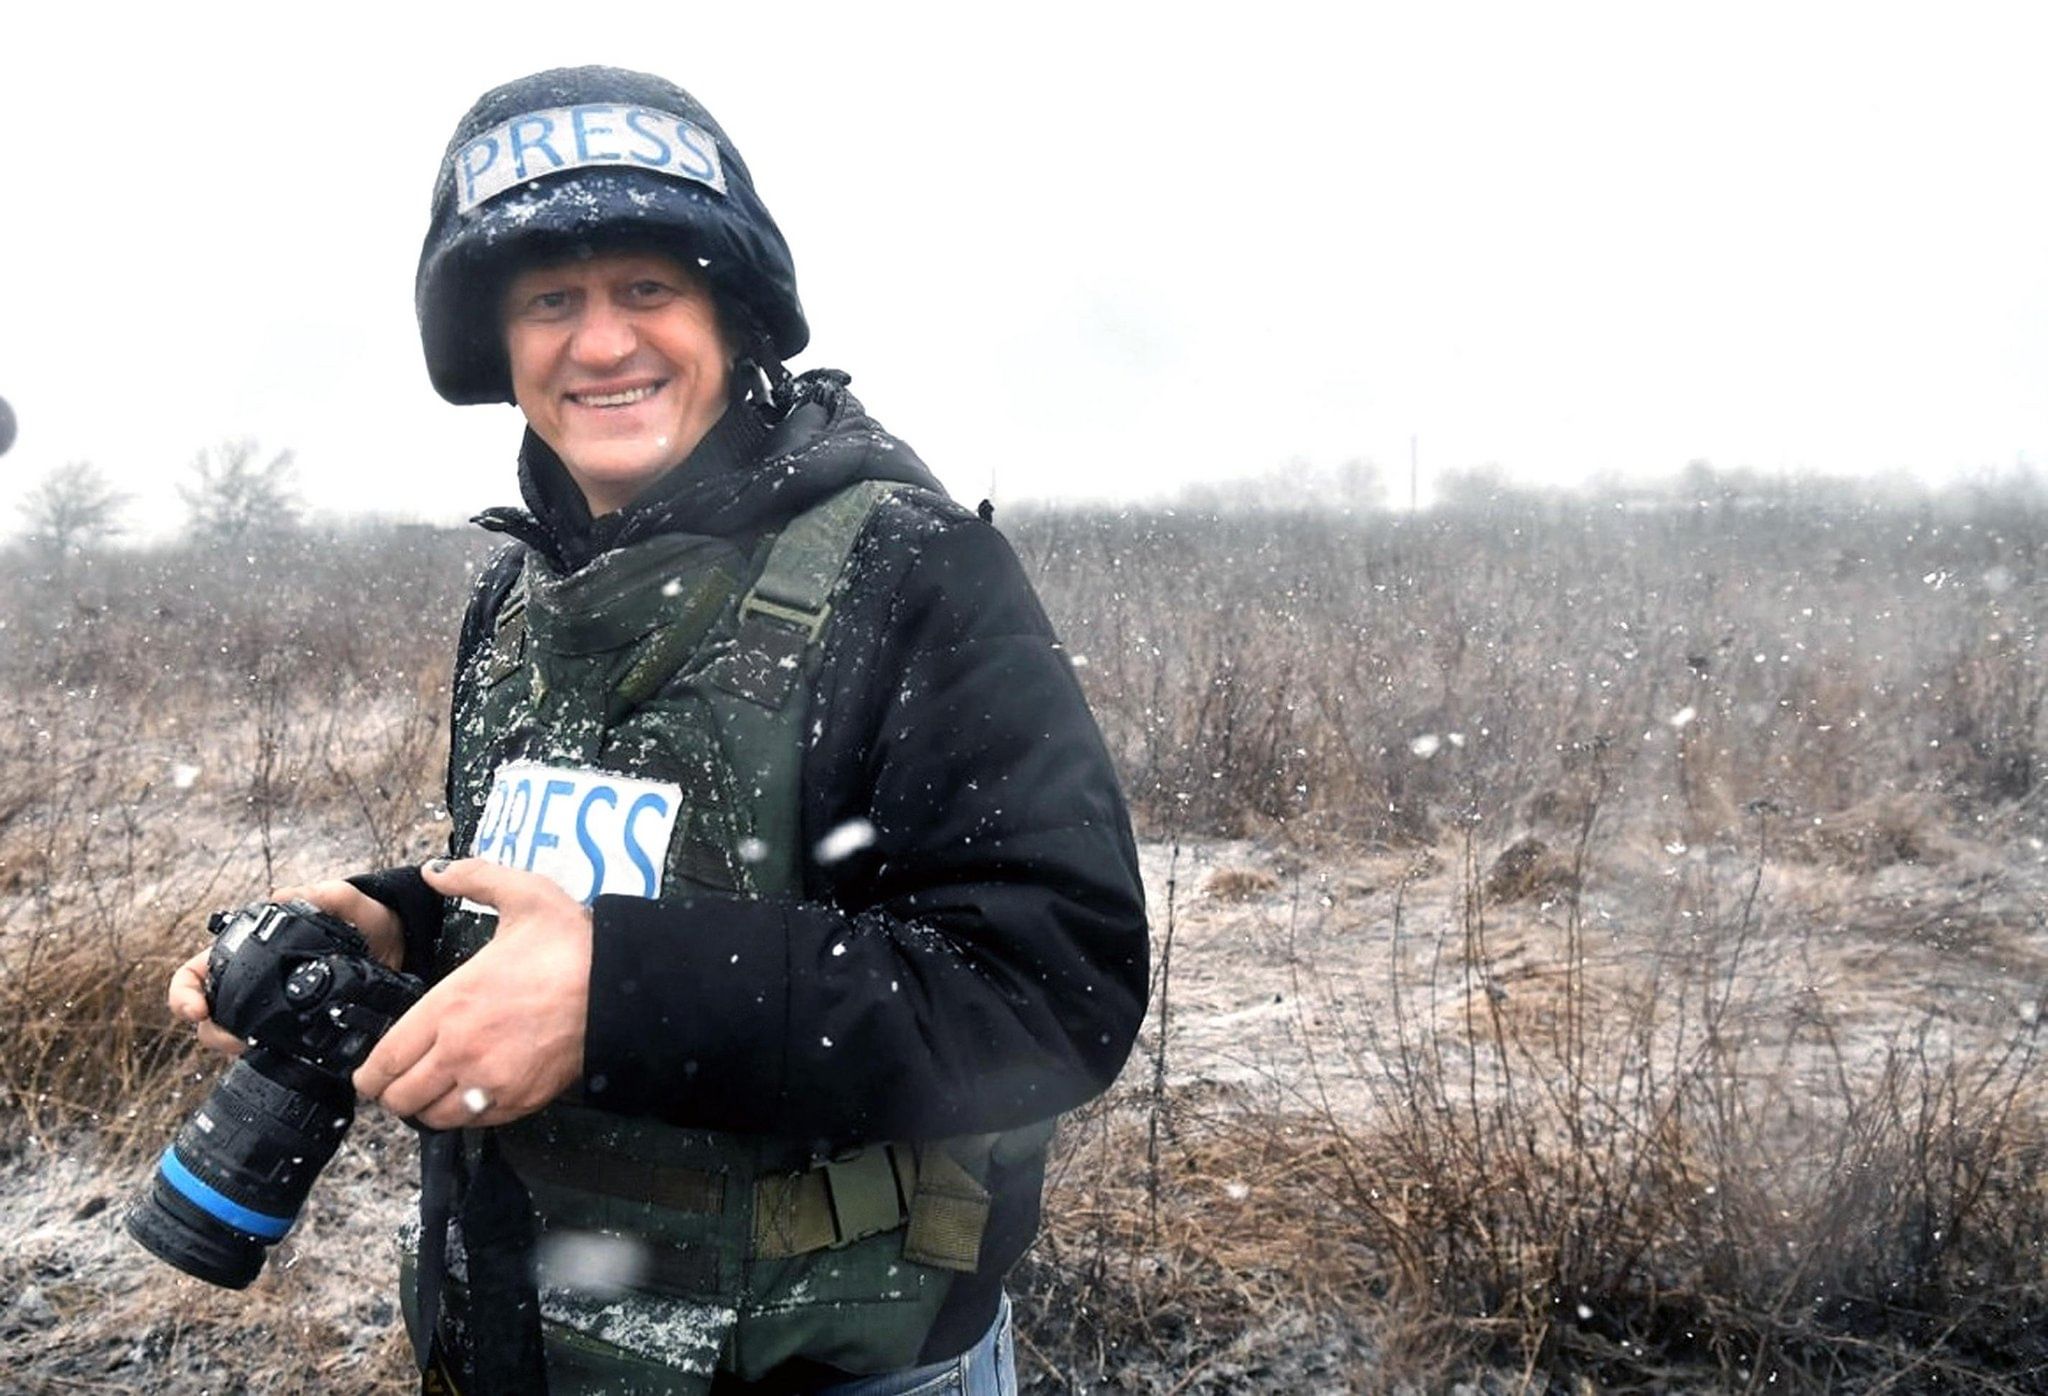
{"type": "Point", "coordinates": [520, 144]}
{"type": "Point", "coordinates": [592, 850]}
{"type": "Point", "coordinates": [634, 852]}
{"type": "Point", "coordinates": [583, 128]}
{"type": "Point", "coordinates": [634, 117]}
{"type": "Point", "coordinates": [487, 823]}
{"type": "Point", "coordinates": [515, 820]}
{"type": "Point", "coordinates": [592, 833]}
{"type": "Point", "coordinates": [541, 837]}
{"type": "Point", "coordinates": [485, 147]}
{"type": "Point", "coordinates": [595, 134]}
{"type": "Point", "coordinates": [706, 168]}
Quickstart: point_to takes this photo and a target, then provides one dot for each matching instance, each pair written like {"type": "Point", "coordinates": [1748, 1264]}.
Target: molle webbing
{"type": "Point", "coordinates": [835, 1203]}
{"type": "Point", "coordinates": [823, 1207]}
{"type": "Point", "coordinates": [620, 1175]}
{"type": "Point", "coordinates": [877, 1189]}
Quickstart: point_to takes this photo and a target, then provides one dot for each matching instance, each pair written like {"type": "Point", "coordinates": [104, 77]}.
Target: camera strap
{"type": "Point", "coordinates": [495, 1346]}
{"type": "Point", "coordinates": [438, 1150]}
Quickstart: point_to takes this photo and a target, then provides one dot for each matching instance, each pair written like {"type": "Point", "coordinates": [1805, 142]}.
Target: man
{"type": "Point", "coordinates": [796, 896]}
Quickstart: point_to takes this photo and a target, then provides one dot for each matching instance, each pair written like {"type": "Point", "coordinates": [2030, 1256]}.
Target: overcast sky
{"type": "Point", "coordinates": [1087, 250]}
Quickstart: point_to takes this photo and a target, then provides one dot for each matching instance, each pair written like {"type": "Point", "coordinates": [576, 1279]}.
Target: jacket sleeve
{"type": "Point", "coordinates": [970, 952]}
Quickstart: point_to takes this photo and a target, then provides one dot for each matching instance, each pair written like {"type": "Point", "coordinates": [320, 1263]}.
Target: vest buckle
{"type": "Point", "coordinates": [812, 623]}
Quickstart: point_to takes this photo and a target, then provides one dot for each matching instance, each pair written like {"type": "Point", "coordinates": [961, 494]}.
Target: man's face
{"type": "Point", "coordinates": [618, 364]}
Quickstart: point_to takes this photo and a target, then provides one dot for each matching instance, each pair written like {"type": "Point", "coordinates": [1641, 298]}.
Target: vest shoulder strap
{"type": "Point", "coordinates": [782, 616]}
{"type": "Point", "coordinates": [758, 688]}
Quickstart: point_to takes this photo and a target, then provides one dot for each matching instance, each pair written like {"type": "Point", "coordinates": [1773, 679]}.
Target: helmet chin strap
{"type": "Point", "coordinates": [752, 383]}
{"type": "Point", "coordinates": [759, 379]}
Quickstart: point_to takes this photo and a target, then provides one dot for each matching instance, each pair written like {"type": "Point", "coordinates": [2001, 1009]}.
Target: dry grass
{"type": "Point", "coordinates": [1541, 1161]}
{"type": "Point", "coordinates": [1647, 1181]}
{"type": "Point", "coordinates": [1385, 677]}
{"type": "Point", "coordinates": [176, 736]}
{"type": "Point", "coordinates": [1536, 1157]}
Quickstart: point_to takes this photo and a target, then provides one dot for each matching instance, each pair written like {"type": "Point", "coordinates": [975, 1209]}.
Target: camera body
{"type": "Point", "coordinates": [301, 987]}
{"type": "Point", "coordinates": [291, 978]}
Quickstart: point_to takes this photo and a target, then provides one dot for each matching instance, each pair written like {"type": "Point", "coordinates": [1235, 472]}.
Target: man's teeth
{"type": "Point", "coordinates": [615, 399]}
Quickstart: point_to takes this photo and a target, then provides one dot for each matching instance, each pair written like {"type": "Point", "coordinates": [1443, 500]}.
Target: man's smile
{"type": "Point", "coordinates": [616, 397]}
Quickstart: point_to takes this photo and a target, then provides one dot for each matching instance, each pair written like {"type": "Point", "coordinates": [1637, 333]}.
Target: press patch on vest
{"type": "Point", "coordinates": [539, 143]}
{"type": "Point", "coordinates": [589, 832]}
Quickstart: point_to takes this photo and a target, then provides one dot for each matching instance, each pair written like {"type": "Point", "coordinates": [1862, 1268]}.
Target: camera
{"type": "Point", "coordinates": [302, 989]}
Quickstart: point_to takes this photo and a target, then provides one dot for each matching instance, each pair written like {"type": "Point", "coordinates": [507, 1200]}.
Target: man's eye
{"type": "Point", "coordinates": [545, 305]}
{"type": "Point", "coordinates": [649, 292]}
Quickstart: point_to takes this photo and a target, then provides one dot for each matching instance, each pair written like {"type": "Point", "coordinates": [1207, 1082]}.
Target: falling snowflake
{"type": "Point", "coordinates": [596, 1263]}
{"type": "Point", "coordinates": [845, 841]}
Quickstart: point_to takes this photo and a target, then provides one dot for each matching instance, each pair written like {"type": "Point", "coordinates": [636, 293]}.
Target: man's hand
{"type": "Point", "coordinates": [188, 1001]}
{"type": "Point", "coordinates": [503, 1035]}
{"type": "Point", "coordinates": [377, 922]}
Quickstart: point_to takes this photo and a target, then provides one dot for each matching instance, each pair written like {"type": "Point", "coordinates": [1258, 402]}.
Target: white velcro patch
{"type": "Point", "coordinates": [540, 143]}
{"type": "Point", "coordinates": [588, 832]}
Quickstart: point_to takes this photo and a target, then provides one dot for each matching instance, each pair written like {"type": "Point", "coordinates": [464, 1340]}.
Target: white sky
{"type": "Point", "coordinates": [1075, 250]}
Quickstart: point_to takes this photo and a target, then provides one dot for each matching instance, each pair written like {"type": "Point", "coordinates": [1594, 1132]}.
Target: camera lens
{"type": "Point", "coordinates": [233, 1180]}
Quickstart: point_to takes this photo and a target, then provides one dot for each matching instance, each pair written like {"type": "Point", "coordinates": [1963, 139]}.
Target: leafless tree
{"type": "Point", "coordinates": [231, 493]}
{"type": "Point", "coordinates": [72, 506]}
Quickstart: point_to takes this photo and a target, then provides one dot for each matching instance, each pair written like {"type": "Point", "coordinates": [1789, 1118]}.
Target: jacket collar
{"type": "Point", "coordinates": [758, 466]}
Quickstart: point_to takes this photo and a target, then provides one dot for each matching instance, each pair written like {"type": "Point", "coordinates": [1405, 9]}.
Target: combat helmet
{"type": "Point", "coordinates": [591, 157]}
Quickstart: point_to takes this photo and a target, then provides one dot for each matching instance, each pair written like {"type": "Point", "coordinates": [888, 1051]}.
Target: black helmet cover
{"type": "Point", "coordinates": [588, 159]}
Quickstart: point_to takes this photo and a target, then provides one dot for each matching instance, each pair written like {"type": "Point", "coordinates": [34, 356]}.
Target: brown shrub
{"type": "Point", "coordinates": [1529, 868]}
{"type": "Point", "coordinates": [1238, 884]}
{"type": "Point", "coordinates": [1870, 835]}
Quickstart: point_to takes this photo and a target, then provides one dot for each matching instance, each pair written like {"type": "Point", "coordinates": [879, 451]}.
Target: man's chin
{"type": "Point", "coordinates": [619, 476]}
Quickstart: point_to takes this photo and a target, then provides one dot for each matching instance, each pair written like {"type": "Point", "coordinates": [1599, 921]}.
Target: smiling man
{"type": "Point", "coordinates": [619, 366]}
{"type": "Point", "coordinates": [790, 893]}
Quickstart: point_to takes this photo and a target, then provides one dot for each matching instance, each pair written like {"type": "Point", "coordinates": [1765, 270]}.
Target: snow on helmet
{"type": "Point", "coordinates": [590, 158]}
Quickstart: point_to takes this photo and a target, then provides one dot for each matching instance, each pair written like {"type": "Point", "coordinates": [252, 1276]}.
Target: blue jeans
{"type": "Point", "coordinates": [989, 1368]}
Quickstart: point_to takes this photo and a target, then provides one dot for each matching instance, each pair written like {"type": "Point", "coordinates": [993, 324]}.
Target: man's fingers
{"type": "Point", "coordinates": [488, 884]}
{"type": "Point", "coordinates": [215, 1038]}
{"type": "Point", "coordinates": [460, 1107]}
{"type": "Point", "coordinates": [401, 1049]}
{"type": "Point", "coordinates": [412, 1094]}
{"type": "Point", "coordinates": [187, 994]}
{"type": "Point", "coordinates": [377, 922]}
{"type": "Point", "coordinates": [431, 1091]}
{"type": "Point", "coordinates": [336, 898]}
{"type": "Point", "coordinates": [187, 998]}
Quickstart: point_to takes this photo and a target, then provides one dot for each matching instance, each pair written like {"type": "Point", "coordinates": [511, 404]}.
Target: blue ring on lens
{"type": "Point", "coordinates": [223, 1208]}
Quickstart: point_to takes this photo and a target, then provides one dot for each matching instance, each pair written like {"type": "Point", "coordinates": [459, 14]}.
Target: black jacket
{"type": "Point", "coordinates": [981, 961]}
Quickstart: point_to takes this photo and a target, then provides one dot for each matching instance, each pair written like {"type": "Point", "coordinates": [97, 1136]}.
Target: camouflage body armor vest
{"type": "Point", "coordinates": [675, 672]}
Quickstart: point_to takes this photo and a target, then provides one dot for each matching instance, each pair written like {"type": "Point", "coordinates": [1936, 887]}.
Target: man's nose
{"type": "Point", "coordinates": [604, 335]}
